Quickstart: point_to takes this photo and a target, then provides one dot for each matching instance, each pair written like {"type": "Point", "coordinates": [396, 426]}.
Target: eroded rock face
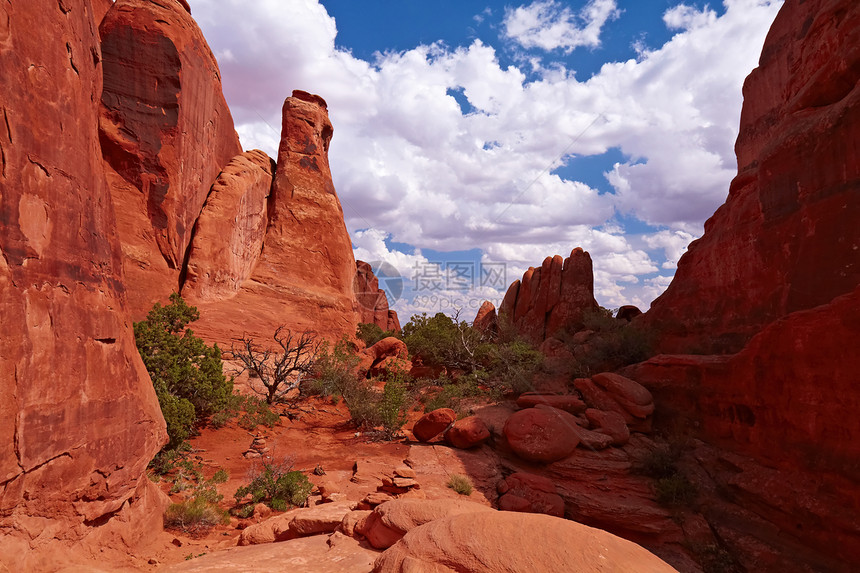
{"type": "Point", "coordinates": [304, 275]}
{"type": "Point", "coordinates": [372, 301]}
{"type": "Point", "coordinates": [551, 298]}
{"type": "Point", "coordinates": [508, 541]}
{"type": "Point", "coordinates": [787, 237]}
{"type": "Point", "coordinates": [486, 320]}
{"type": "Point", "coordinates": [166, 130]}
{"type": "Point", "coordinates": [229, 233]}
{"type": "Point", "coordinates": [79, 420]}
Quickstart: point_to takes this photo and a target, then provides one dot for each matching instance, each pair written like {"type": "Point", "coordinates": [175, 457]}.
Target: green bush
{"type": "Point", "coordinates": [186, 373]}
{"type": "Point", "coordinates": [371, 333]}
{"type": "Point", "coordinates": [461, 484]}
{"type": "Point", "coordinates": [335, 370]}
{"type": "Point", "coordinates": [441, 342]}
{"type": "Point", "coordinates": [277, 485]}
{"type": "Point", "coordinates": [193, 515]}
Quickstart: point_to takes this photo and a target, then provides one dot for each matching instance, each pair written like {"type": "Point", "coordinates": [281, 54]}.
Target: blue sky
{"type": "Point", "coordinates": [473, 139]}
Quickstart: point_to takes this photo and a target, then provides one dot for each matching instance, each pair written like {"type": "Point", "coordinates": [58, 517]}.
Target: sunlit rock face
{"type": "Point", "coordinates": [79, 420]}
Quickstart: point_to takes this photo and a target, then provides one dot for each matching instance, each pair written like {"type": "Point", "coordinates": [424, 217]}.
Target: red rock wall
{"type": "Point", "coordinates": [787, 237]}
{"type": "Point", "coordinates": [371, 300]}
{"type": "Point", "coordinates": [304, 276]}
{"type": "Point", "coordinates": [79, 420]}
{"type": "Point", "coordinates": [166, 131]}
{"type": "Point", "coordinates": [228, 235]}
{"type": "Point", "coordinates": [551, 298]}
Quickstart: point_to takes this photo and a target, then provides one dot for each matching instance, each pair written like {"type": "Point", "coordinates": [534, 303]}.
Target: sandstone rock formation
{"type": "Point", "coordinates": [507, 542]}
{"type": "Point", "coordinates": [79, 420]}
{"type": "Point", "coordinates": [372, 301]}
{"type": "Point", "coordinates": [228, 235]}
{"type": "Point", "coordinates": [486, 319]}
{"type": "Point", "coordinates": [541, 434]}
{"type": "Point", "coordinates": [550, 299]}
{"type": "Point", "coordinates": [529, 493]}
{"type": "Point", "coordinates": [467, 433]}
{"type": "Point", "coordinates": [304, 276]}
{"type": "Point", "coordinates": [165, 131]}
{"type": "Point", "coordinates": [433, 423]}
{"type": "Point", "coordinates": [787, 237]}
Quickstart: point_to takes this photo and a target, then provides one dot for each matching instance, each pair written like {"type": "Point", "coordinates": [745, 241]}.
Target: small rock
{"type": "Point", "coordinates": [467, 433]}
{"type": "Point", "coordinates": [433, 423]}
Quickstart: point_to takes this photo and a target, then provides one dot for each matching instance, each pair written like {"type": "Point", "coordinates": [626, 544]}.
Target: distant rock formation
{"type": "Point", "coordinates": [166, 130]}
{"type": "Point", "coordinates": [304, 275]}
{"type": "Point", "coordinates": [551, 298]}
{"type": "Point", "coordinates": [486, 320]}
{"type": "Point", "coordinates": [79, 420]}
{"type": "Point", "coordinates": [372, 301]}
{"type": "Point", "coordinates": [787, 238]}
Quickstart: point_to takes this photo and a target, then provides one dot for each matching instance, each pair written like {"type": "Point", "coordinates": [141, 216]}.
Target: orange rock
{"type": "Point", "coordinates": [568, 403]}
{"type": "Point", "coordinates": [166, 130]}
{"type": "Point", "coordinates": [529, 493]}
{"type": "Point", "coordinates": [372, 301]}
{"type": "Point", "coordinates": [467, 433]}
{"type": "Point", "coordinates": [433, 423]}
{"type": "Point", "coordinates": [303, 277]}
{"type": "Point", "coordinates": [541, 434]}
{"type": "Point", "coordinates": [79, 420]}
{"type": "Point", "coordinates": [508, 541]}
{"type": "Point", "coordinates": [391, 520]}
{"type": "Point", "coordinates": [611, 424]}
{"type": "Point", "coordinates": [486, 320]}
{"type": "Point", "coordinates": [229, 234]}
{"type": "Point", "coordinates": [551, 298]}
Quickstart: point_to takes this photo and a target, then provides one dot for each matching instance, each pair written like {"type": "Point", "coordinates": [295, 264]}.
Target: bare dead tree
{"type": "Point", "coordinates": [282, 368]}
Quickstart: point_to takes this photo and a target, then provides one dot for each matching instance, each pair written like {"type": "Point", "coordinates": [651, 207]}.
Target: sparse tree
{"type": "Point", "coordinates": [279, 368]}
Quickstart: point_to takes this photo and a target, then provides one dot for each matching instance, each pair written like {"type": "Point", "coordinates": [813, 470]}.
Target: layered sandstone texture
{"type": "Point", "coordinates": [787, 238]}
{"type": "Point", "coordinates": [550, 299]}
{"type": "Point", "coordinates": [79, 419]}
{"type": "Point", "coordinates": [166, 133]}
{"type": "Point", "coordinates": [303, 276]}
{"type": "Point", "coordinates": [372, 301]}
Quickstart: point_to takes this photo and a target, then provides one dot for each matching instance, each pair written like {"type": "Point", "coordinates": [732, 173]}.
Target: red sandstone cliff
{"type": "Point", "coordinates": [166, 134]}
{"type": "Point", "coordinates": [787, 238]}
{"type": "Point", "coordinates": [551, 298]}
{"type": "Point", "coordinates": [774, 280]}
{"type": "Point", "coordinates": [304, 275]}
{"type": "Point", "coordinates": [79, 419]}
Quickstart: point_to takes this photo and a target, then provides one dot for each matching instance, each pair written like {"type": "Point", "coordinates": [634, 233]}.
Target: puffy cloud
{"type": "Point", "coordinates": [549, 25]}
{"type": "Point", "coordinates": [447, 148]}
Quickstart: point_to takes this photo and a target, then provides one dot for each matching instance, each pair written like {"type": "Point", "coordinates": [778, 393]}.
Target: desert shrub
{"type": "Point", "coordinates": [371, 333]}
{"type": "Point", "coordinates": [661, 462]}
{"type": "Point", "coordinates": [164, 462]}
{"type": "Point", "coordinates": [221, 476]}
{"type": "Point", "coordinates": [449, 397]}
{"type": "Point", "coordinates": [460, 484]}
{"type": "Point", "coordinates": [277, 485]}
{"type": "Point", "coordinates": [675, 490]}
{"type": "Point", "coordinates": [256, 412]}
{"type": "Point", "coordinates": [614, 344]}
{"type": "Point", "coordinates": [186, 372]}
{"type": "Point", "coordinates": [281, 367]}
{"type": "Point", "coordinates": [392, 406]}
{"type": "Point", "coordinates": [714, 558]}
{"type": "Point", "coordinates": [193, 515]}
{"type": "Point", "coordinates": [335, 370]}
{"type": "Point", "coordinates": [499, 363]}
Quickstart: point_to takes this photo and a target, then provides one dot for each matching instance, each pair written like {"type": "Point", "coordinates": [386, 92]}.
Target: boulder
{"type": "Point", "coordinates": [529, 493]}
{"type": "Point", "coordinates": [433, 423]}
{"type": "Point", "coordinates": [467, 433]}
{"type": "Point", "coordinates": [628, 312]}
{"type": "Point", "coordinates": [79, 420]}
{"type": "Point", "coordinates": [508, 541]}
{"type": "Point", "coordinates": [541, 434]}
{"type": "Point", "coordinates": [391, 520]}
{"type": "Point", "coordinates": [551, 298]}
{"type": "Point", "coordinates": [568, 402]}
{"type": "Point", "coordinates": [299, 522]}
{"type": "Point", "coordinates": [610, 423]}
{"type": "Point", "coordinates": [166, 133]}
